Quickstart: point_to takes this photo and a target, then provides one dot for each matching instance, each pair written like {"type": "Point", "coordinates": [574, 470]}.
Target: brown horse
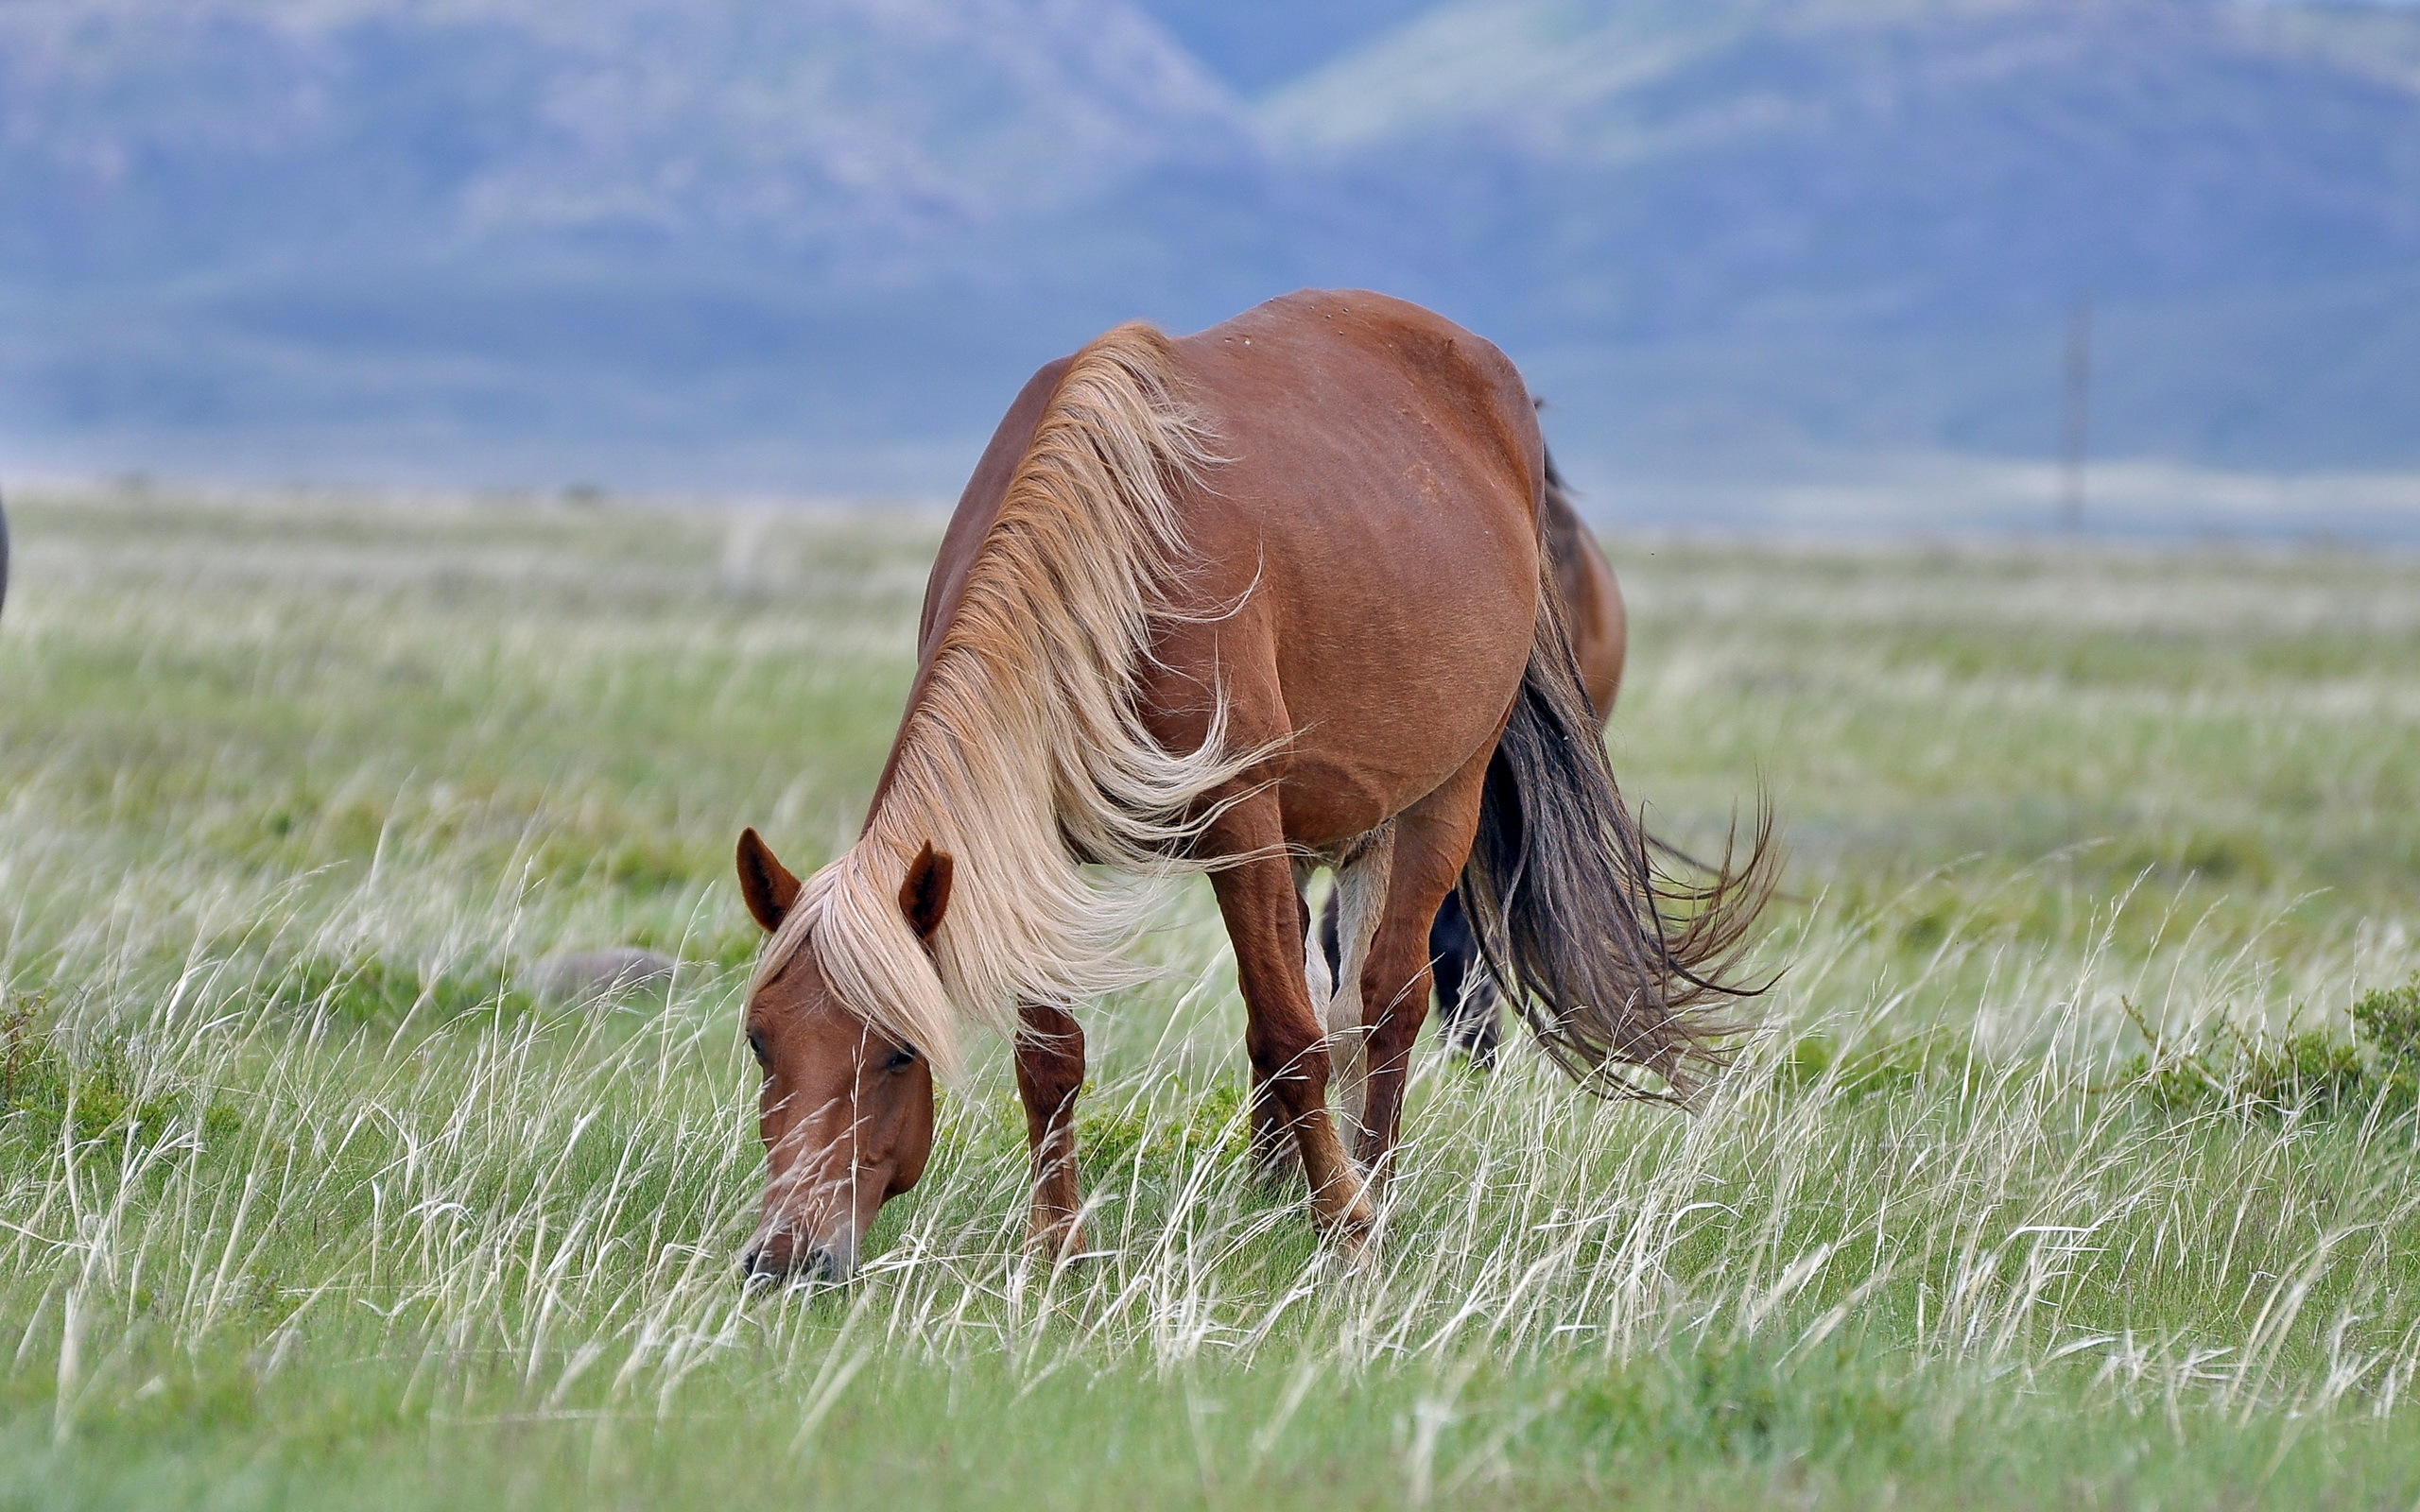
{"type": "Point", "coordinates": [1184, 619]}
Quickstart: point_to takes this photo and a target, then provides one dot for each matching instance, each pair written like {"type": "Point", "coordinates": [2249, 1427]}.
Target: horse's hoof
{"type": "Point", "coordinates": [1055, 1241]}
{"type": "Point", "coordinates": [1352, 1226]}
{"type": "Point", "coordinates": [1356, 1237]}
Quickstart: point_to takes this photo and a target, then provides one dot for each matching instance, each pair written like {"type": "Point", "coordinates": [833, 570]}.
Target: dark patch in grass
{"type": "Point", "coordinates": [734, 949]}
{"type": "Point", "coordinates": [1863, 1070]}
{"type": "Point", "coordinates": [638, 865]}
{"type": "Point", "coordinates": [2201, 856]}
{"type": "Point", "coordinates": [46, 1093]}
{"type": "Point", "coordinates": [1924, 932]}
{"type": "Point", "coordinates": [1741, 1402]}
{"type": "Point", "coordinates": [372, 993]}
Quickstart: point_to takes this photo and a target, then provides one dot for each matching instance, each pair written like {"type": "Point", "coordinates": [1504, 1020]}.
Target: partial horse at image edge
{"type": "Point", "coordinates": [1181, 621]}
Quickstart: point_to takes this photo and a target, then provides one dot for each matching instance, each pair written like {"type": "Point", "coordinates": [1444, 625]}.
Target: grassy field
{"type": "Point", "coordinates": [2062, 1173]}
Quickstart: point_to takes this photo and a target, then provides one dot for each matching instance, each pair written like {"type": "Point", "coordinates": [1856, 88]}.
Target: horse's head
{"type": "Point", "coordinates": [846, 1111]}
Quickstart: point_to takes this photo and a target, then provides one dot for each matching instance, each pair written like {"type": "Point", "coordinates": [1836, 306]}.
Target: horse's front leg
{"type": "Point", "coordinates": [1050, 1072]}
{"type": "Point", "coordinates": [1282, 1035]}
{"type": "Point", "coordinates": [1272, 1148]}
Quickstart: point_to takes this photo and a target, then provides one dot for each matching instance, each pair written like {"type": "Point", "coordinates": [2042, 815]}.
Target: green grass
{"type": "Point", "coordinates": [2063, 1171]}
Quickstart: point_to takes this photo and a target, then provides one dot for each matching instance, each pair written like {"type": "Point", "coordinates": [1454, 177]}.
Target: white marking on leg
{"type": "Point", "coordinates": [1361, 900]}
{"type": "Point", "coordinates": [1315, 971]}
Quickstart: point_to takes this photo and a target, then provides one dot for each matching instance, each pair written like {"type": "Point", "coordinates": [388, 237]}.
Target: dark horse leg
{"type": "Point", "coordinates": [1465, 992]}
{"type": "Point", "coordinates": [1050, 1072]}
{"type": "Point", "coordinates": [1433, 839]}
{"type": "Point", "coordinates": [1282, 1034]}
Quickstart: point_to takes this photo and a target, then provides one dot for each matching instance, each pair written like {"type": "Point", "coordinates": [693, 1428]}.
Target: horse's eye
{"type": "Point", "coordinates": [756, 1044]}
{"type": "Point", "coordinates": [901, 1059]}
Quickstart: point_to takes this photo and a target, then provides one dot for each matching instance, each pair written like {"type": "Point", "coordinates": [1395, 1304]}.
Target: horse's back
{"type": "Point", "coordinates": [1356, 415]}
{"type": "Point", "coordinates": [1358, 410]}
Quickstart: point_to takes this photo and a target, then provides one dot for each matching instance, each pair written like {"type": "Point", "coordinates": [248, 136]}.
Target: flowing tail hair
{"type": "Point", "coordinates": [1615, 963]}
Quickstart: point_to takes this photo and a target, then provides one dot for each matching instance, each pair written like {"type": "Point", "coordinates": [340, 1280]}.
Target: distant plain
{"type": "Point", "coordinates": [2059, 1174]}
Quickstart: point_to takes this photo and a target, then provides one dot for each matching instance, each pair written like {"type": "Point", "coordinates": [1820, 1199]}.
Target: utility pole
{"type": "Point", "coordinates": [2076, 419]}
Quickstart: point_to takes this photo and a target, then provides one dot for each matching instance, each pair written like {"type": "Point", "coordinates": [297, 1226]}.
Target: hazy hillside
{"type": "Point", "coordinates": [816, 243]}
{"type": "Point", "coordinates": [1907, 196]}
{"type": "Point", "coordinates": [158, 135]}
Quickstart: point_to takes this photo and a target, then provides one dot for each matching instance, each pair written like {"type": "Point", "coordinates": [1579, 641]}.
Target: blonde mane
{"type": "Point", "coordinates": [1027, 756]}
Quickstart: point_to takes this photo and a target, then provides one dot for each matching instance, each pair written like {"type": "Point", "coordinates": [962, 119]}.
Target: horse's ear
{"type": "Point", "coordinates": [765, 881]}
{"type": "Point", "coordinates": [924, 896]}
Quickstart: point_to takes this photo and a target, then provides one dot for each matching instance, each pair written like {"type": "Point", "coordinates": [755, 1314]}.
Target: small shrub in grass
{"type": "Point", "coordinates": [2389, 1020]}
{"type": "Point", "coordinates": [1111, 1140]}
{"type": "Point", "coordinates": [1108, 1138]}
{"type": "Point", "coordinates": [2316, 1074]}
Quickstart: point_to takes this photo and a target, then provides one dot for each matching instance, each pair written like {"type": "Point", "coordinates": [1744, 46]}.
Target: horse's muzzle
{"type": "Point", "coordinates": [780, 1260]}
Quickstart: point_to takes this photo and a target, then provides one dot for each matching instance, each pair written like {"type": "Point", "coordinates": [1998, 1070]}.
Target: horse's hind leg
{"type": "Point", "coordinates": [1266, 919]}
{"type": "Point", "coordinates": [1431, 841]}
{"type": "Point", "coordinates": [1050, 1072]}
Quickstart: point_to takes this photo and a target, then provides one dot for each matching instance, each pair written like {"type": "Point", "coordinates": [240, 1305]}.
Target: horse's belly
{"type": "Point", "coordinates": [1386, 707]}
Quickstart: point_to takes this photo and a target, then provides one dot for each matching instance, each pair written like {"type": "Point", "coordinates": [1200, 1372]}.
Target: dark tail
{"type": "Point", "coordinates": [1613, 963]}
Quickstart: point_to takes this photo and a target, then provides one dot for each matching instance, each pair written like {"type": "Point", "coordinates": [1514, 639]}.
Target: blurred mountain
{"type": "Point", "coordinates": [165, 136]}
{"type": "Point", "coordinates": [518, 237]}
{"type": "Point", "coordinates": [818, 243]}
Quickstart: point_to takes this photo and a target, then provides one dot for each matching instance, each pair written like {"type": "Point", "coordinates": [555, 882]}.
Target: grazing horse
{"type": "Point", "coordinates": [1599, 628]}
{"type": "Point", "coordinates": [1185, 618]}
